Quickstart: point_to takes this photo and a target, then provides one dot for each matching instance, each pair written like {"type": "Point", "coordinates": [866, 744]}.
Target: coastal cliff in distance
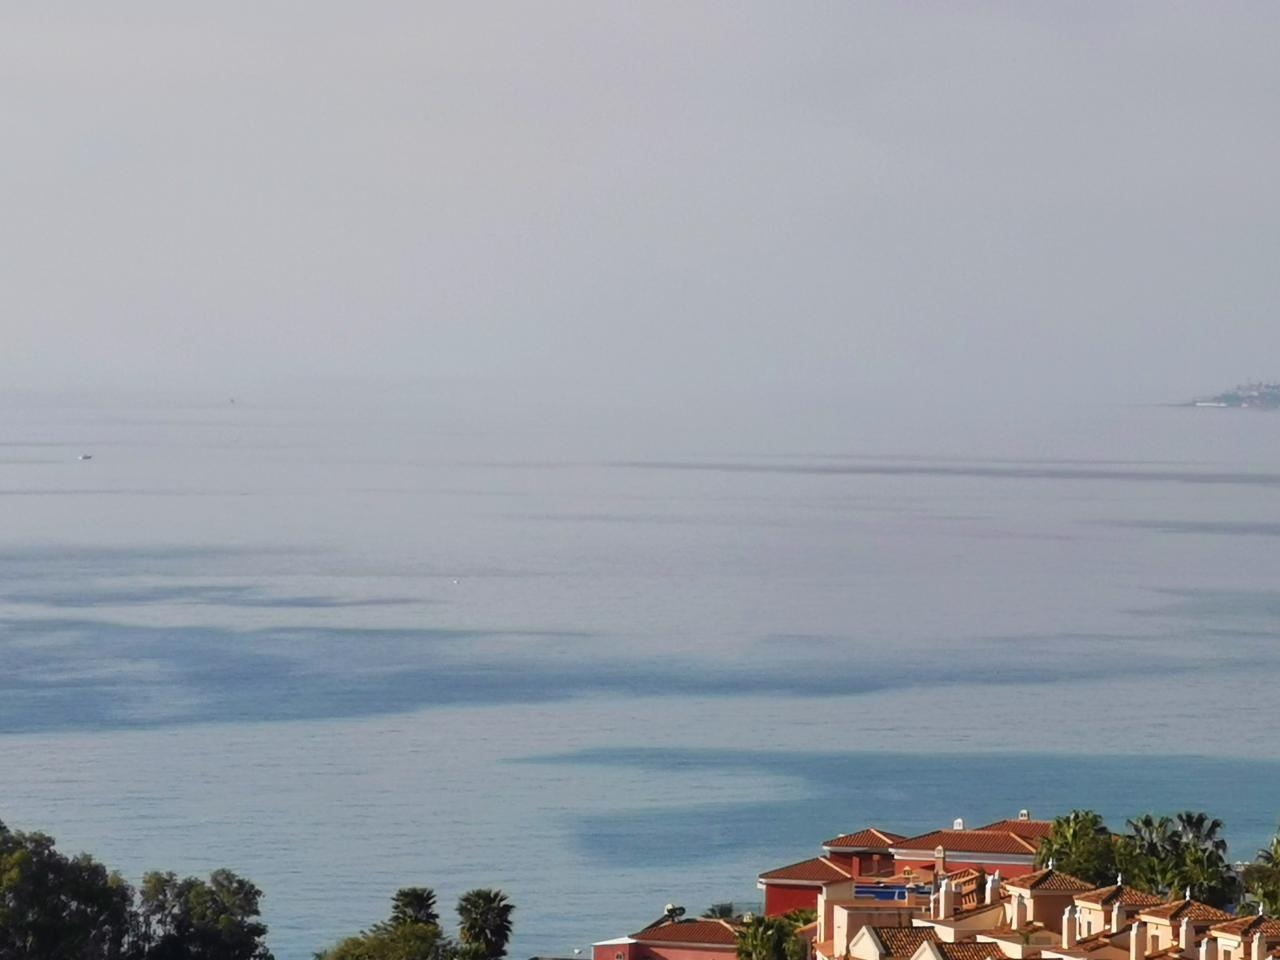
{"type": "Point", "coordinates": [1254, 396]}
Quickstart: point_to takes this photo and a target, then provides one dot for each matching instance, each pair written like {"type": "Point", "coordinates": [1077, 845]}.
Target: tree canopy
{"type": "Point", "coordinates": [57, 907]}
{"type": "Point", "coordinates": [413, 932]}
{"type": "Point", "coordinates": [1159, 854]}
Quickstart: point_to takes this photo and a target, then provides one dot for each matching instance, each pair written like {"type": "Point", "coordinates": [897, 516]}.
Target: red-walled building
{"type": "Point", "coordinates": [797, 885]}
{"type": "Point", "coordinates": [865, 853]}
{"type": "Point", "coordinates": [959, 849]}
{"type": "Point", "coordinates": [1007, 846]}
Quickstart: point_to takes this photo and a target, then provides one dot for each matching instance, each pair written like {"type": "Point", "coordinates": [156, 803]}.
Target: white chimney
{"type": "Point", "coordinates": [1138, 941]}
{"type": "Point", "coordinates": [947, 900]}
{"type": "Point", "coordinates": [1209, 948]}
{"type": "Point", "coordinates": [1069, 927]}
{"type": "Point", "coordinates": [1186, 937]}
{"type": "Point", "coordinates": [958, 824]}
{"type": "Point", "coordinates": [933, 905]}
{"type": "Point", "coordinates": [1117, 917]}
{"type": "Point", "coordinates": [1024, 814]}
{"type": "Point", "coordinates": [1259, 947]}
{"type": "Point", "coordinates": [1019, 918]}
{"type": "Point", "coordinates": [993, 884]}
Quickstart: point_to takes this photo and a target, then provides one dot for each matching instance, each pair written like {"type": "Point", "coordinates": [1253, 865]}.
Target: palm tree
{"type": "Point", "coordinates": [1270, 854]}
{"type": "Point", "coordinates": [1200, 830]}
{"type": "Point", "coordinates": [765, 938]}
{"type": "Point", "coordinates": [485, 922]}
{"type": "Point", "coordinates": [1080, 844]}
{"type": "Point", "coordinates": [1206, 874]}
{"type": "Point", "coordinates": [719, 911]}
{"type": "Point", "coordinates": [1154, 836]}
{"type": "Point", "coordinates": [414, 905]}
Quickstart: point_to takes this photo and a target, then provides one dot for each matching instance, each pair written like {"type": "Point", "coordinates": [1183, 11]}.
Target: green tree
{"type": "Point", "coordinates": [1198, 829]}
{"type": "Point", "coordinates": [405, 941]}
{"type": "Point", "coordinates": [719, 911]}
{"type": "Point", "coordinates": [414, 905]}
{"type": "Point", "coordinates": [485, 926]}
{"type": "Point", "coordinates": [1080, 844]}
{"type": "Point", "coordinates": [191, 919]}
{"type": "Point", "coordinates": [1270, 854]}
{"type": "Point", "coordinates": [1173, 854]}
{"type": "Point", "coordinates": [60, 908]}
{"type": "Point", "coordinates": [1205, 873]}
{"type": "Point", "coordinates": [770, 938]}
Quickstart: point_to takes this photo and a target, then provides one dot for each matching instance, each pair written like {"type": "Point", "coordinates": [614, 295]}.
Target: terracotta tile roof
{"type": "Point", "coordinates": [1098, 941]}
{"type": "Point", "coordinates": [904, 941]}
{"type": "Point", "coordinates": [968, 950]}
{"type": "Point", "coordinates": [1247, 927]}
{"type": "Point", "coordinates": [969, 841]}
{"type": "Point", "coordinates": [690, 931]}
{"type": "Point", "coordinates": [1050, 881]}
{"type": "Point", "coordinates": [817, 870]}
{"type": "Point", "coordinates": [1031, 829]}
{"type": "Point", "coordinates": [1192, 910]}
{"type": "Point", "coordinates": [868, 839]}
{"type": "Point", "coordinates": [1118, 893]}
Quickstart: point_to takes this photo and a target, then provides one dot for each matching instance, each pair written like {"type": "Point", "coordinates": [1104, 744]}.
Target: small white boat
{"type": "Point", "coordinates": [85, 456]}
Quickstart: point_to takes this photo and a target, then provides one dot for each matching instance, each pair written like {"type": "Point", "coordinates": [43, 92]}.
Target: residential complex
{"type": "Point", "coordinates": [962, 894]}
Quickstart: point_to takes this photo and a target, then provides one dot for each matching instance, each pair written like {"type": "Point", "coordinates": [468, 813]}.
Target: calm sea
{"type": "Point", "coordinates": [342, 652]}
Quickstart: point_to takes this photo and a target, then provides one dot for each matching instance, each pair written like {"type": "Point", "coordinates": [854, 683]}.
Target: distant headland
{"type": "Point", "coordinates": [1254, 396]}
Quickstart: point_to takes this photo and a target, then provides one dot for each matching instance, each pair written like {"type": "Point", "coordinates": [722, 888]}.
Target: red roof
{"type": "Point", "coordinates": [1125, 896]}
{"type": "Point", "coordinates": [904, 941]}
{"type": "Point", "coordinates": [1246, 927]}
{"type": "Point", "coordinates": [1050, 881]}
{"type": "Point", "coordinates": [817, 870]}
{"type": "Point", "coordinates": [868, 839]}
{"type": "Point", "coordinates": [1193, 910]}
{"type": "Point", "coordinates": [719, 932]}
{"type": "Point", "coordinates": [1031, 829]}
{"type": "Point", "coordinates": [969, 841]}
{"type": "Point", "coordinates": [968, 951]}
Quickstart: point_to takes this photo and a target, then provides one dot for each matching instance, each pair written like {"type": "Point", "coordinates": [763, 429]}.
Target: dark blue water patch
{"type": "Point", "coordinates": [228, 595]}
{"type": "Point", "coordinates": [75, 560]}
{"type": "Point", "coordinates": [70, 673]}
{"type": "Point", "coordinates": [974, 470]}
{"type": "Point", "coordinates": [1225, 528]}
{"type": "Point", "coordinates": [827, 793]}
{"type": "Point", "coordinates": [1218, 608]}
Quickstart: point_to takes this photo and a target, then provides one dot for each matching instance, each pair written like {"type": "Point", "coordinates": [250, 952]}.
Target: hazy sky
{"type": "Point", "coordinates": [643, 199]}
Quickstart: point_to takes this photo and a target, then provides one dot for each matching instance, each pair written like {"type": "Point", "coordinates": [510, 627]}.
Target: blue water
{"type": "Point", "coordinates": [345, 651]}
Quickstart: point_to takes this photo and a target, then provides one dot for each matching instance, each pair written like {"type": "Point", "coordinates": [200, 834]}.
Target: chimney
{"type": "Point", "coordinates": [1117, 917]}
{"type": "Point", "coordinates": [1138, 941]}
{"type": "Point", "coordinates": [1069, 927]}
{"type": "Point", "coordinates": [993, 885]}
{"type": "Point", "coordinates": [947, 901]}
{"type": "Point", "coordinates": [1024, 814]}
{"type": "Point", "coordinates": [939, 860]}
{"type": "Point", "coordinates": [958, 824]}
{"type": "Point", "coordinates": [1209, 948]}
{"type": "Point", "coordinates": [1259, 947]}
{"type": "Point", "coordinates": [1019, 918]}
{"type": "Point", "coordinates": [1186, 937]}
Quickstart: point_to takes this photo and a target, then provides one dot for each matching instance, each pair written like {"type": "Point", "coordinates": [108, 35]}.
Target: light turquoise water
{"type": "Point", "coordinates": [348, 651]}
